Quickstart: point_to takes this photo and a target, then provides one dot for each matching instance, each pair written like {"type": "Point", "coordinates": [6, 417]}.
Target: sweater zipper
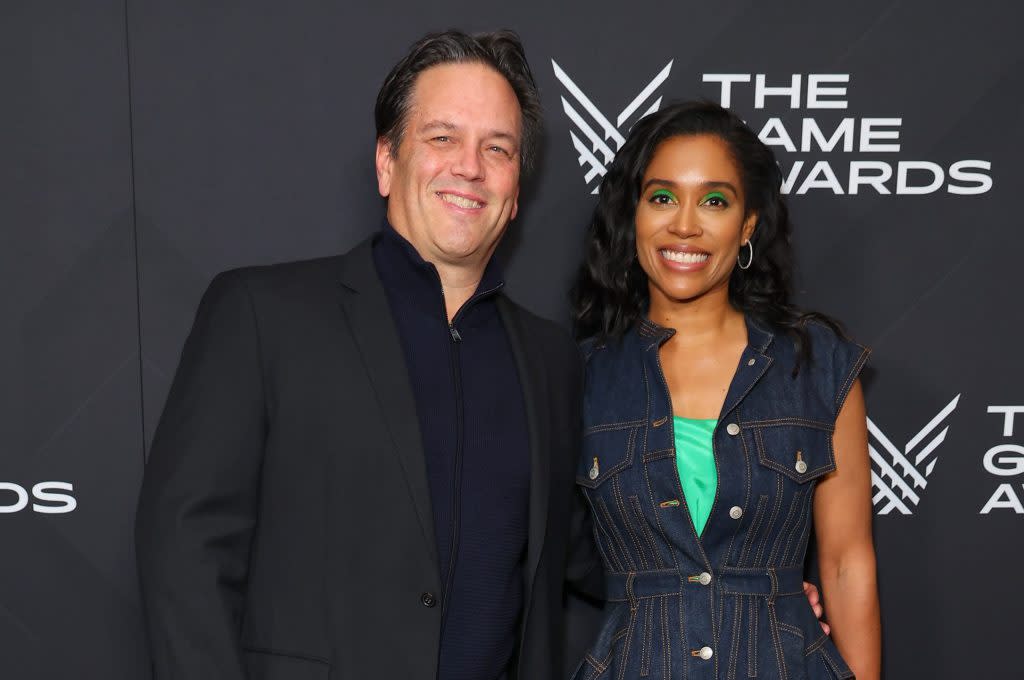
{"type": "Point", "coordinates": [456, 375]}
{"type": "Point", "coordinates": [456, 499]}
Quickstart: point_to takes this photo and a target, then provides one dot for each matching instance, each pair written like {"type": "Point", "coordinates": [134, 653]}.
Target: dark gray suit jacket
{"type": "Point", "coordinates": [284, 528]}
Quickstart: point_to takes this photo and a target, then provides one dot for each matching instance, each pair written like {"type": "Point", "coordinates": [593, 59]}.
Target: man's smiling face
{"type": "Point", "coordinates": [453, 185]}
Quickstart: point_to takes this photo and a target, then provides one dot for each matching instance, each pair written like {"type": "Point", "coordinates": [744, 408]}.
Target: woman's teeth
{"type": "Point", "coordinates": [685, 258]}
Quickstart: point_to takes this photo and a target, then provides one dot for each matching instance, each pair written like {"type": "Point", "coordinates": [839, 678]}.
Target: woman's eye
{"type": "Point", "coordinates": [663, 197]}
{"type": "Point", "coordinates": [715, 199]}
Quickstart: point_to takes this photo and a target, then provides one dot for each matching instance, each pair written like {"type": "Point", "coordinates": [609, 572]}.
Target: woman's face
{"type": "Point", "coordinates": [691, 218]}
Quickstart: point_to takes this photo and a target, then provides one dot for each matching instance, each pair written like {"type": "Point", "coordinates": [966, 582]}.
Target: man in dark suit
{"type": "Point", "coordinates": [365, 465]}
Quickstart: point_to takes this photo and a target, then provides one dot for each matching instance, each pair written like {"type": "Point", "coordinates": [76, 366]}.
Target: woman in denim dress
{"type": "Point", "coordinates": [721, 423]}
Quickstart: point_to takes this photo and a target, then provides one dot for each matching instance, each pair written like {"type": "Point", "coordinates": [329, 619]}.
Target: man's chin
{"type": "Point", "coordinates": [466, 244]}
{"type": "Point", "coordinates": [465, 253]}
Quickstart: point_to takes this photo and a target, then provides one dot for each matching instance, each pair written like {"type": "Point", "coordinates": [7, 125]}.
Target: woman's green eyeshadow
{"type": "Point", "coordinates": [715, 194]}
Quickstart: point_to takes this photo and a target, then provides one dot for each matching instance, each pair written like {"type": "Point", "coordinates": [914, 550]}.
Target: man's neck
{"type": "Point", "coordinates": [460, 276]}
{"type": "Point", "coordinates": [458, 285]}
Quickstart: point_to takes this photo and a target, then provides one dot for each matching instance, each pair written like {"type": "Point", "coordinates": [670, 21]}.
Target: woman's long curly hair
{"type": "Point", "coordinates": [611, 293]}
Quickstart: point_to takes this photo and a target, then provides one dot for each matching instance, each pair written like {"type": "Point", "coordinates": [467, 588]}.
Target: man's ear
{"type": "Point", "coordinates": [384, 162]}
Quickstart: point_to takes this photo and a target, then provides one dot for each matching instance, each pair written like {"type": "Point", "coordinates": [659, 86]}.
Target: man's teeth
{"type": "Point", "coordinates": [687, 258]}
{"type": "Point", "coordinates": [461, 201]}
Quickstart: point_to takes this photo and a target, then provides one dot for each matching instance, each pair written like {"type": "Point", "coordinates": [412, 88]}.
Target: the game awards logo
{"type": "Point", "coordinates": [42, 498]}
{"type": "Point", "coordinates": [898, 477]}
{"type": "Point", "coordinates": [599, 139]}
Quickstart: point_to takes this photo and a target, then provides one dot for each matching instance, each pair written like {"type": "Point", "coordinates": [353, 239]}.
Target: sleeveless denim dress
{"type": "Point", "coordinates": [728, 604]}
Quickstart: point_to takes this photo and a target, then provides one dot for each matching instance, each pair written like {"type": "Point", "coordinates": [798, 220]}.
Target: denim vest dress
{"type": "Point", "coordinates": [728, 604]}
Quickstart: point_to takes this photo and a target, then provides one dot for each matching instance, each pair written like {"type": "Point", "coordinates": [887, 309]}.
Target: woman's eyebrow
{"type": "Point", "coordinates": [709, 184]}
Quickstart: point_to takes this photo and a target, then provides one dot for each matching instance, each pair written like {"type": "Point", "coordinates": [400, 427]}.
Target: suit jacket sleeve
{"type": "Point", "coordinates": [198, 503]}
{"type": "Point", "coordinates": [584, 571]}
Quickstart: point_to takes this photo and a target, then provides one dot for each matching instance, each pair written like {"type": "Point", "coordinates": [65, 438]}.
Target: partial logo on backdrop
{"type": "Point", "coordinates": [826, 139]}
{"type": "Point", "coordinates": [899, 476]}
{"type": "Point", "coordinates": [598, 139]}
{"type": "Point", "coordinates": [825, 144]}
{"type": "Point", "coordinates": [1003, 461]}
{"type": "Point", "coordinates": [41, 498]}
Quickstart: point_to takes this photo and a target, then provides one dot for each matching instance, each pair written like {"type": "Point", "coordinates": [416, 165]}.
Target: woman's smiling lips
{"type": "Point", "coordinates": [462, 201]}
{"type": "Point", "coordinates": [684, 258]}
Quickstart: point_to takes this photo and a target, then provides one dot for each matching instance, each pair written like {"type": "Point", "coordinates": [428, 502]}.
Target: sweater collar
{"type": "Point", "coordinates": [407, 276]}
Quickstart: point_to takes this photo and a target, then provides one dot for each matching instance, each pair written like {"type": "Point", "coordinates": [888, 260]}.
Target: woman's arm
{"type": "Point", "coordinates": [846, 553]}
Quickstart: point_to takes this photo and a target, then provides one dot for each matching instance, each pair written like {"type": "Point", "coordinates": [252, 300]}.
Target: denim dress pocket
{"type": "Point", "coordinates": [807, 648]}
{"type": "Point", "coordinates": [609, 452]}
{"type": "Point", "coordinates": [800, 449]}
{"type": "Point", "coordinates": [607, 449]}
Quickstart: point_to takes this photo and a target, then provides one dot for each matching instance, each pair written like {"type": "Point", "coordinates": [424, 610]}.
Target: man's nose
{"type": "Point", "coordinates": [468, 163]}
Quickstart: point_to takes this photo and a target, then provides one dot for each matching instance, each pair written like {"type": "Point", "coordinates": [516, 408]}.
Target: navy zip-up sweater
{"type": "Point", "coordinates": [473, 425]}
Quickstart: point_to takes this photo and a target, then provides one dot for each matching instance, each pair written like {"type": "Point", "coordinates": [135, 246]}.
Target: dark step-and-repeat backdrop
{"type": "Point", "coordinates": [147, 145]}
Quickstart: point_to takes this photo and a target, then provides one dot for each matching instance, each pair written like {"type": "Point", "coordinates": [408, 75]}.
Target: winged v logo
{"type": "Point", "coordinates": [602, 139]}
{"type": "Point", "coordinates": [898, 479]}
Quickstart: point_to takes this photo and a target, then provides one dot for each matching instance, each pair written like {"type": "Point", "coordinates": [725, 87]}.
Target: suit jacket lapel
{"type": "Point", "coordinates": [369, 319]}
{"type": "Point", "coordinates": [535, 391]}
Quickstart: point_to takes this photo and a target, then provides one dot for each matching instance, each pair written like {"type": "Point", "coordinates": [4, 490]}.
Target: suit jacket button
{"type": "Point", "coordinates": [428, 599]}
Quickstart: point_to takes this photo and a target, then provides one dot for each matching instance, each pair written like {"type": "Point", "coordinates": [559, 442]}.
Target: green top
{"type": "Point", "coordinates": [695, 459]}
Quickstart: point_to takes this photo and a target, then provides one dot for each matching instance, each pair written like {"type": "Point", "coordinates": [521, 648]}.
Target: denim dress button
{"type": "Point", "coordinates": [704, 578]}
{"type": "Point", "coordinates": [733, 429]}
{"type": "Point", "coordinates": [706, 653]}
{"type": "Point", "coordinates": [735, 512]}
{"type": "Point", "coordinates": [800, 465]}
{"type": "Point", "coordinates": [428, 599]}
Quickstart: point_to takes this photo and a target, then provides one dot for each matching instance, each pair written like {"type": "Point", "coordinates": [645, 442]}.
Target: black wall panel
{"type": "Point", "coordinates": [69, 346]}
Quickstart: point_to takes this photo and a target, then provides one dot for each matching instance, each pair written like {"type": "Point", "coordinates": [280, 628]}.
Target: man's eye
{"type": "Point", "coordinates": [501, 150]}
{"type": "Point", "coordinates": [442, 138]}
